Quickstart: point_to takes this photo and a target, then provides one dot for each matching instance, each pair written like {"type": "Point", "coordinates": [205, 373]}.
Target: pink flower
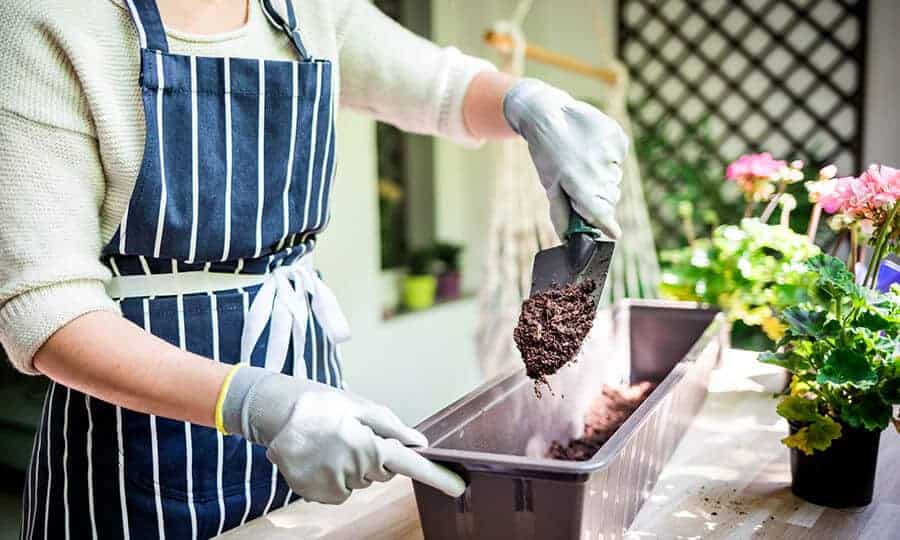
{"type": "Point", "coordinates": [866, 197]}
{"type": "Point", "coordinates": [832, 194]}
{"type": "Point", "coordinates": [881, 185]}
{"type": "Point", "coordinates": [828, 172]}
{"type": "Point", "coordinates": [755, 167]}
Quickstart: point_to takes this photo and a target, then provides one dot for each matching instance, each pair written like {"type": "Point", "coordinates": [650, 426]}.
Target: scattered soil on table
{"type": "Point", "coordinates": [552, 327]}
{"type": "Point", "coordinates": [715, 501]}
{"type": "Point", "coordinates": [607, 413]}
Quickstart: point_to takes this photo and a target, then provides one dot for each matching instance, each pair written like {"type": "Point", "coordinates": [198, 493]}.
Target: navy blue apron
{"type": "Point", "coordinates": [237, 170]}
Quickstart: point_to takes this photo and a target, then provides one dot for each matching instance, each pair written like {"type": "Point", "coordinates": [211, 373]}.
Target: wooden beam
{"type": "Point", "coordinates": [504, 43]}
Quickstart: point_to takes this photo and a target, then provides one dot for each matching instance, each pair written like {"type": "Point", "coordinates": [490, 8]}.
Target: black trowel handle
{"type": "Point", "coordinates": [581, 240]}
{"type": "Point", "coordinates": [577, 225]}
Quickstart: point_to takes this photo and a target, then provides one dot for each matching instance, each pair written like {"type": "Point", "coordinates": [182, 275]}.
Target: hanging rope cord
{"type": "Point", "coordinates": [634, 272]}
{"type": "Point", "coordinates": [520, 226]}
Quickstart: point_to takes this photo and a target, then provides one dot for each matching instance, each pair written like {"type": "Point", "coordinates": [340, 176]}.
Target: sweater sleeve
{"type": "Point", "coordinates": [401, 78]}
{"type": "Point", "coordinates": [50, 273]}
{"type": "Point", "coordinates": [52, 185]}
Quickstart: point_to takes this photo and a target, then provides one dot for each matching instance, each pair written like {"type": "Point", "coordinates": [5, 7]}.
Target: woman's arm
{"type": "Point", "coordinates": [405, 80]}
{"type": "Point", "coordinates": [401, 78]}
{"type": "Point", "coordinates": [106, 356]}
{"type": "Point", "coordinates": [483, 105]}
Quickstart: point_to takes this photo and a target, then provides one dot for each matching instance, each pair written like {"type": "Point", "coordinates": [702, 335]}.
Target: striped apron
{"type": "Point", "coordinates": [213, 255]}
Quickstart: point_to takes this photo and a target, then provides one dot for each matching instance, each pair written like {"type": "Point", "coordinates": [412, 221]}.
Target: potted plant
{"type": "Point", "coordinates": [419, 284]}
{"type": "Point", "coordinates": [842, 347]}
{"type": "Point", "coordinates": [448, 279]}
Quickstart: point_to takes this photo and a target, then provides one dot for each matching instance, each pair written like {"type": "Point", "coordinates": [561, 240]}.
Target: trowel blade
{"type": "Point", "coordinates": [559, 266]}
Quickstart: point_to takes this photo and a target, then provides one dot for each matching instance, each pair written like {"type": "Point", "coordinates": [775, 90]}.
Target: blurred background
{"type": "Point", "coordinates": [704, 81]}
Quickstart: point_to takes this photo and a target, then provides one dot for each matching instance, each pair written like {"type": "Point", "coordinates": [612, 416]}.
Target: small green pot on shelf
{"type": "Point", "coordinates": [419, 292]}
{"type": "Point", "coordinates": [420, 284]}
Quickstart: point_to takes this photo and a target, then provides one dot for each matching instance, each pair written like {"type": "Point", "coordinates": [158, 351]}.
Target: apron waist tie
{"type": "Point", "coordinates": [284, 300]}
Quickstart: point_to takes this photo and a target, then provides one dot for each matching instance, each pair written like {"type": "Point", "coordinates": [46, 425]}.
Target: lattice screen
{"type": "Point", "coordinates": [784, 76]}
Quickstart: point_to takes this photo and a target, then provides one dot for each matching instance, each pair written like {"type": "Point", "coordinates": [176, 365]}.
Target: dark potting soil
{"type": "Point", "coordinates": [552, 327]}
{"type": "Point", "coordinates": [607, 413]}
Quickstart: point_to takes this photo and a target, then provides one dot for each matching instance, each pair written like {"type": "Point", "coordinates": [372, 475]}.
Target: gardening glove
{"type": "Point", "coordinates": [578, 152]}
{"type": "Point", "coordinates": [324, 441]}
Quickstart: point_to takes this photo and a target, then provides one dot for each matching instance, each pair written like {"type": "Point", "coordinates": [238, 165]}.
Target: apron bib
{"type": "Point", "coordinates": [213, 255]}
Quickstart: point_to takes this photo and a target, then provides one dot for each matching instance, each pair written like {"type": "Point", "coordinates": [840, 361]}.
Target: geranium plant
{"type": "Point", "coordinates": [751, 270]}
{"type": "Point", "coordinates": [760, 176]}
{"type": "Point", "coordinates": [866, 206]}
{"type": "Point", "coordinates": [841, 347]}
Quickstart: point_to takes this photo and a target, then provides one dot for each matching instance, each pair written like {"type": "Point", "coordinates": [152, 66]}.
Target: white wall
{"type": "Point", "coordinates": [881, 142]}
{"type": "Point", "coordinates": [418, 363]}
{"type": "Point", "coordinates": [414, 363]}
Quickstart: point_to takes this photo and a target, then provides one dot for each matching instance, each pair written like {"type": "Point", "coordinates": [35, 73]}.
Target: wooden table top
{"type": "Point", "coordinates": [728, 479]}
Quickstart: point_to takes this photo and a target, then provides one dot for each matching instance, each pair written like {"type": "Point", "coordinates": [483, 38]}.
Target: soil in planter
{"type": "Point", "coordinates": [552, 327]}
{"type": "Point", "coordinates": [607, 413]}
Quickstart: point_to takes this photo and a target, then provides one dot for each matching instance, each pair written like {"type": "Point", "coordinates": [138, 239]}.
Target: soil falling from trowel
{"type": "Point", "coordinates": [552, 327]}
{"type": "Point", "coordinates": [607, 413]}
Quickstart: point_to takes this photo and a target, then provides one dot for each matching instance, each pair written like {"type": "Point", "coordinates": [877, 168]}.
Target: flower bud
{"type": "Point", "coordinates": [828, 172]}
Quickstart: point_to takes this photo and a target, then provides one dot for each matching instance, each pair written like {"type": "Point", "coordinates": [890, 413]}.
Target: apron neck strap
{"type": "Point", "coordinates": [286, 22]}
{"type": "Point", "coordinates": [151, 32]}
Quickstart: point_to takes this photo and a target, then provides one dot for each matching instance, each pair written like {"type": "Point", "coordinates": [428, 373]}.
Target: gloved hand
{"type": "Point", "coordinates": [326, 442]}
{"type": "Point", "coordinates": [578, 152]}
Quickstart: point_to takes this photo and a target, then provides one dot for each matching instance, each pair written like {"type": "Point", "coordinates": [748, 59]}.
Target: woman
{"type": "Point", "coordinates": [166, 167]}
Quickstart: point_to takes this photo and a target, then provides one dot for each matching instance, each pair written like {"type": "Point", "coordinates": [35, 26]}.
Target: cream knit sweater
{"type": "Point", "coordinates": [72, 130]}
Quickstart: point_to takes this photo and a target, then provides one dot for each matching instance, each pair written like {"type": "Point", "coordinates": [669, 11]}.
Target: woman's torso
{"type": "Point", "coordinates": [112, 96]}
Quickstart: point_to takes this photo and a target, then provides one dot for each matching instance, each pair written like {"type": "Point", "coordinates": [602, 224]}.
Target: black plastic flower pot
{"type": "Point", "coordinates": [843, 476]}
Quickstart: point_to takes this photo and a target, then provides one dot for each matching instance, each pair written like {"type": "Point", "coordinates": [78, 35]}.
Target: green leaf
{"type": "Point", "coordinates": [816, 436]}
{"type": "Point", "coordinates": [831, 271]}
{"type": "Point", "coordinates": [834, 280]}
{"type": "Point", "coordinates": [867, 411]}
{"type": "Point", "coordinates": [890, 385]}
{"type": "Point", "coordinates": [847, 367]}
{"type": "Point", "coordinates": [890, 391]}
{"type": "Point", "coordinates": [789, 360]}
{"type": "Point", "coordinates": [803, 322]}
{"type": "Point", "coordinates": [876, 320]}
{"type": "Point", "coordinates": [798, 409]}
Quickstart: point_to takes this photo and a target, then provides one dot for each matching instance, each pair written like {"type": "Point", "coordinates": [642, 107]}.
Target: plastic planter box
{"type": "Point", "coordinates": [497, 435]}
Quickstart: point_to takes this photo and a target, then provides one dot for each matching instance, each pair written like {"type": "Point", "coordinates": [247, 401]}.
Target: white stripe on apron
{"type": "Point", "coordinates": [65, 463]}
{"type": "Point", "coordinates": [249, 464]}
{"type": "Point", "coordinates": [312, 145]}
{"type": "Point", "coordinates": [214, 318]}
{"type": "Point", "coordinates": [195, 163]}
{"type": "Point", "coordinates": [160, 519]}
{"type": "Point", "coordinates": [289, 172]}
{"type": "Point", "coordinates": [188, 442]}
{"type": "Point", "coordinates": [49, 461]}
{"type": "Point", "coordinates": [124, 505]}
{"type": "Point", "coordinates": [162, 154]}
{"type": "Point", "coordinates": [319, 213]}
{"type": "Point", "coordinates": [90, 466]}
{"type": "Point", "coordinates": [260, 149]}
{"type": "Point", "coordinates": [228, 159]}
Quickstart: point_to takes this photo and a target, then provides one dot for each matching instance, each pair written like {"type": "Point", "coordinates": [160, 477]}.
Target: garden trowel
{"type": "Point", "coordinates": [584, 254]}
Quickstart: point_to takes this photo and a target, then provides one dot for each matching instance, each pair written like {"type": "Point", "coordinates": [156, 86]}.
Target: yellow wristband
{"type": "Point", "coordinates": [220, 401]}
